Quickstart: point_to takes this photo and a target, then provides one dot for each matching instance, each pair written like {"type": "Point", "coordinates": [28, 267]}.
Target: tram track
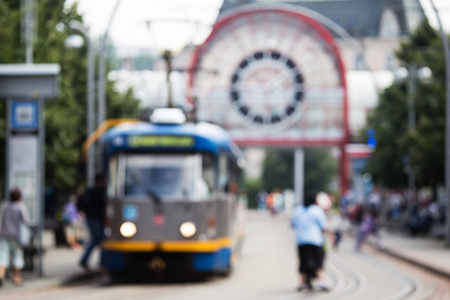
{"type": "Point", "coordinates": [343, 280]}
{"type": "Point", "coordinates": [358, 275]}
{"type": "Point", "coordinates": [411, 287]}
{"type": "Point", "coordinates": [356, 280]}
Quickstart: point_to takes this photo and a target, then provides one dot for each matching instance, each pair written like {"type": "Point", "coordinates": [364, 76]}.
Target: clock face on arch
{"type": "Point", "coordinates": [265, 68]}
{"type": "Point", "coordinates": [266, 88]}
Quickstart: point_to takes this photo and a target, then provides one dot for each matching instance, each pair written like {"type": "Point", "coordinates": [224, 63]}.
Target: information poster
{"type": "Point", "coordinates": [23, 158]}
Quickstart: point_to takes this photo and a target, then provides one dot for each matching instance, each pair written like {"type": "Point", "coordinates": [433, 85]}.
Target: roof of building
{"type": "Point", "coordinates": [361, 18]}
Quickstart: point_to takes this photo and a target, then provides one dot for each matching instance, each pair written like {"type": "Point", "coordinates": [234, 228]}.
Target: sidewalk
{"type": "Point", "coordinates": [59, 266]}
{"type": "Point", "coordinates": [428, 253]}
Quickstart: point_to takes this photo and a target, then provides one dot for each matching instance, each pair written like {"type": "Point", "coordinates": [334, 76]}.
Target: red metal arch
{"type": "Point", "coordinates": [326, 36]}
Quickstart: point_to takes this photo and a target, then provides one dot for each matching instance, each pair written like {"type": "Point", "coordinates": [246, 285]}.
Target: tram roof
{"type": "Point", "coordinates": [208, 136]}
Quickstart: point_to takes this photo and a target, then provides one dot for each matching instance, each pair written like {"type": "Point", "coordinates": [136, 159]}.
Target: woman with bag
{"type": "Point", "coordinates": [13, 214]}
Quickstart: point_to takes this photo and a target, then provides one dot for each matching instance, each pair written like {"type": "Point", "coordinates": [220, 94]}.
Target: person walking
{"type": "Point", "coordinates": [310, 222]}
{"type": "Point", "coordinates": [337, 226]}
{"type": "Point", "coordinates": [261, 200]}
{"type": "Point", "coordinates": [12, 214]}
{"type": "Point", "coordinates": [72, 222]}
{"type": "Point", "coordinates": [92, 204]}
{"type": "Point", "coordinates": [368, 226]}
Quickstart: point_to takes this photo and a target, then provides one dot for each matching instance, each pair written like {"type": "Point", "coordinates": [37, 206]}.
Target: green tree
{"type": "Point", "coordinates": [278, 170]}
{"type": "Point", "coordinates": [389, 120]}
{"type": "Point", "coordinates": [65, 117]}
{"type": "Point", "coordinates": [253, 187]}
{"type": "Point", "coordinates": [423, 146]}
{"type": "Point", "coordinates": [320, 170]}
{"type": "Point", "coordinates": [11, 50]}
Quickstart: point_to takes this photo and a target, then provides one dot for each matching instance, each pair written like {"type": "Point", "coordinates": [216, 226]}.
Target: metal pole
{"type": "Point", "coordinates": [28, 27]}
{"type": "Point", "coordinates": [41, 184]}
{"type": "Point", "coordinates": [412, 71]}
{"type": "Point", "coordinates": [8, 143]}
{"type": "Point", "coordinates": [102, 71]}
{"type": "Point", "coordinates": [167, 55]}
{"type": "Point", "coordinates": [299, 172]}
{"type": "Point", "coordinates": [447, 124]}
{"type": "Point", "coordinates": [101, 116]}
{"type": "Point", "coordinates": [78, 26]}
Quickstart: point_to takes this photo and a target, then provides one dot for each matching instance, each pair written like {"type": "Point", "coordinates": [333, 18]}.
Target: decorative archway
{"type": "Point", "coordinates": [273, 76]}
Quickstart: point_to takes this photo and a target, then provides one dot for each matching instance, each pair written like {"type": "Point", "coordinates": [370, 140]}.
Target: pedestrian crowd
{"type": "Point", "coordinates": [422, 216]}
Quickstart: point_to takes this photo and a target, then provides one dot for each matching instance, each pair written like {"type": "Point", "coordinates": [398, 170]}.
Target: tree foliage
{"type": "Point", "coordinates": [278, 170]}
{"type": "Point", "coordinates": [320, 170]}
{"type": "Point", "coordinates": [422, 147]}
{"type": "Point", "coordinates": [252, 187]}
{"type": "Point", "coordinates": [64, 117]}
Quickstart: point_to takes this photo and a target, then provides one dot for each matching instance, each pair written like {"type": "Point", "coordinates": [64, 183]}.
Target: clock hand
{"type": "Point", "coordinates": [248, 86]}
{"type": "Point", "coordinates": [274, 82]}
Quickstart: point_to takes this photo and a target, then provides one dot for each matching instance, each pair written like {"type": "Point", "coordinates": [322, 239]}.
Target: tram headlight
{"type": "Point", "coordinates": [188, 229]}
{"type": "Point", "coordinates": [128, 229]}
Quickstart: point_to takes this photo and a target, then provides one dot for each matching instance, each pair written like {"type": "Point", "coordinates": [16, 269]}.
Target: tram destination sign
{"type": "Point", "coordinates": [138, 141]}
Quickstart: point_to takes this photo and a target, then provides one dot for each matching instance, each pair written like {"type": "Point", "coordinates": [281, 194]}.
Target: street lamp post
{"type": "Point", "coordinates": [447, 123]}
{"type": "Point", "coordinates": [102, 69]}
{"type": "Point", "coordinates": [101, 113]}
{"type": "Point", "coordinates": [413, 73]}
{"type": "Point", "coordinates": [411, 126]}
{"type": "Point", "coordinates": [29, 27]}
{"type": "Point", "coordinates": [78, 26]}
{"type": "Point", "coordinates": [167, 56]}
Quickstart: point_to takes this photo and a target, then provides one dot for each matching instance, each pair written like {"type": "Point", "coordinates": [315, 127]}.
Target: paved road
{"type": "Point", "coordinates": [267, 269]}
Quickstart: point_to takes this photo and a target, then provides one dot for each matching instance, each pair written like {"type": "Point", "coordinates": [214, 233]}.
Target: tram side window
{"type": "Point", "coordinates": [113, 177]}
{"type": "Point", "coordinates": [234, 176]}
{"type": "Point", "coordinates": [228, 174]}
{"type": "Point", "coordinates": [208, 174]}
{"type": "Point", "coordinates": [224, 175]}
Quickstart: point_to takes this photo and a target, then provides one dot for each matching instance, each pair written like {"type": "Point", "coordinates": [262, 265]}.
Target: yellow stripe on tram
{"type": "Point", "coordinates": [168, 246]}
{"type": "Point", "coordinates": [138, 246]}
{"type": "Point", "coordinates": [195, 246]}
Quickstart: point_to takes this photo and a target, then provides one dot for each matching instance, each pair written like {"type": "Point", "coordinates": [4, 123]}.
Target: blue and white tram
{"type": "Point", "coordinates": [172, 190]}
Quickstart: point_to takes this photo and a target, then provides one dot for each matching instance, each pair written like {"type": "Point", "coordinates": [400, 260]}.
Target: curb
{"type": "Point", "coordinates": [405, 258]}
{"type": "Point", "coordinates": [422, 265]}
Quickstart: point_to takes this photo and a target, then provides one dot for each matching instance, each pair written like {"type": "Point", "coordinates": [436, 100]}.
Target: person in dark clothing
{"type": "Point", "coordinates": [92, 204]}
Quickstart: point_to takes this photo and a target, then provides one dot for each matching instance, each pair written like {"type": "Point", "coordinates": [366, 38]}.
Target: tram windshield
{"type": "Point", "coordinates": [167, 176]}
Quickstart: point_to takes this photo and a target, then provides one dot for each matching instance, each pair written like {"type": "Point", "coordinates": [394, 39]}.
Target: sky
{"type": "Point", "coordinates": [170, 24]}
